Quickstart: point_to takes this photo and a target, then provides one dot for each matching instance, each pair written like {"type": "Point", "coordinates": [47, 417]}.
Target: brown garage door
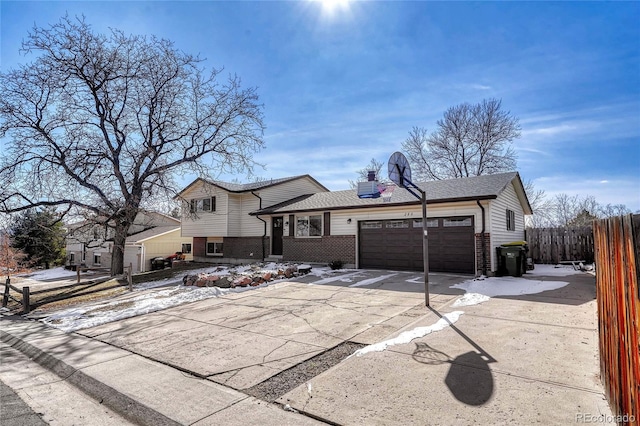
{"type": "Point", "coordinates": [397, 244]}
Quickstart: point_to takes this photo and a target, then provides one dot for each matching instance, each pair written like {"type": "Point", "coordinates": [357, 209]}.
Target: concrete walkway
{"type": "Point", "coordinates": [517, 360]}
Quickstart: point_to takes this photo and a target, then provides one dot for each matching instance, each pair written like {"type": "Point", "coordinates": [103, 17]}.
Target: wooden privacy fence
{"type": "Point", "coordinates": [617, 246]}
{"type": "Point", "coordinates": [555, 245]}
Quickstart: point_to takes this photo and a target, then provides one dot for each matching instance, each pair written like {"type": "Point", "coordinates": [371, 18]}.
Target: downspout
{"type": "Point", "coordinates": [264, 234]}
{"type": "Point", "coordinates": [482, 241]}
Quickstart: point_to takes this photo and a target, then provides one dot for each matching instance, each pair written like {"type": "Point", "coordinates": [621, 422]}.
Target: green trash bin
{"type": "Point", "coordinates": [511, 261]}
{"type": "Point", "coordinates": [527, 263]}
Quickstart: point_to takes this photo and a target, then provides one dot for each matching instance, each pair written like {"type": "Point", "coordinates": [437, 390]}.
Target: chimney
{"type": "Point", "coordinates": [371, 175]}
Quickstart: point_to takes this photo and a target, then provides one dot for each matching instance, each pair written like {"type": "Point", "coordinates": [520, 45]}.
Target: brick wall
{"type": "Point", "coordinates": [246, 247]}
{"type": "Point", "coordinates": [487, 245]}
{"type": "Point", "coordinates": [235, 250]}
{"type": "Point", "coordinates": [199, 246]}
{"type": "Point", "coordinates": [320, 250]}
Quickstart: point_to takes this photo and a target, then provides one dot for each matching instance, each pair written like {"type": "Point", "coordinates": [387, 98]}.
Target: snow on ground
{"type": "Point", "coordinates": [161, 294]}
{"type": "Point", "coordinates": [92, 315]}
{"type": "Point", "coordinates": [481, 289]}
{"type": "Point", "coordinates": [408, 336]}
{"type": "Point", "coordinates": [148, 297]}
{"type": "Point", "coordinates": [49, 274]}
{"type": "Point", "coordinates": [477, 291]}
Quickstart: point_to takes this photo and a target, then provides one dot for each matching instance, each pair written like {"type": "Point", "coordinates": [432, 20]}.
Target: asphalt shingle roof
{"type": "Point", "coordinates": [150, 233]}
{"type": "Point", "coordinates": [472, 188]}
{"type": "Point", "coordinates": [246, 187]}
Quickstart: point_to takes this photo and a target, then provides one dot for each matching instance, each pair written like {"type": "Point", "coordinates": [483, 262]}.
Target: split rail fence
{"type": "Point", "coordinates": [617, 249]}
{"type": "Point", "coordinates": [556, 245]}
{"type": "Point", "coordinates": [30, 299]}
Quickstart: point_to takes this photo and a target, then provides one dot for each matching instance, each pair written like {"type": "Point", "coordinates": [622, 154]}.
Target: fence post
{"type": "Point", "coordinates": [25, 300]}
{"type": "Point", "coordinates": [5, 298]}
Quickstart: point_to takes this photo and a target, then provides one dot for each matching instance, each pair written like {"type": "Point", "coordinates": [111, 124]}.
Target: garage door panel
{"type": "Point", "coordinates": [396, 244]}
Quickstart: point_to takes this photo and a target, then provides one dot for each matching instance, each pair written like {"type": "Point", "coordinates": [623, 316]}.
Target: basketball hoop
{"type": "Point", "coordinates": [386, 191]}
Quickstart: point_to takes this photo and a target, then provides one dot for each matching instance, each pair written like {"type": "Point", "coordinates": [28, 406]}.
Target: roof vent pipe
{"type": "Point", "coordinates": [371, 175]}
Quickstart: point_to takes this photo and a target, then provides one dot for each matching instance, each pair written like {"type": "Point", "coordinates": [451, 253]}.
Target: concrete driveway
{"type": "Point", "coordinates": [518, 359]}
{"type": "Point", "coordinates": [242, 339]}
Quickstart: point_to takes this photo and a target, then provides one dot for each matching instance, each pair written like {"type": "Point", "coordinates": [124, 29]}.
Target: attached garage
{"type": "Point", "coordinates": [397, 244]}
{"type": "Point", "coordinates": [467, 219]}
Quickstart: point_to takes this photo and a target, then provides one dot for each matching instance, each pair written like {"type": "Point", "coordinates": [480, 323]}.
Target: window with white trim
{"type": "Point", "coordinates": [511, 220]}
{"type": "Point", "coordinates": [214, 248]}
{"type": "Point", "coordinates": [203, 205]}
{"type": "Point", "coordinates": [309, 226]}
{"type": "Point", "coordinates": [97, 258]}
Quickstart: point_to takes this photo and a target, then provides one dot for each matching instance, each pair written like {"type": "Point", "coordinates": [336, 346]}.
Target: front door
{"type": "Point", "coordinates": [276, 235]}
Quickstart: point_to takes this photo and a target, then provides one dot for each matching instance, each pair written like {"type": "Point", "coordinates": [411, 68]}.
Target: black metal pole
{"type": "Point", "coordinates": [425, 247]}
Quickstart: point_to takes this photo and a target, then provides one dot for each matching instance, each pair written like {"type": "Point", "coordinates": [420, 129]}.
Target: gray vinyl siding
{"type": "Point", "coordinates": [287, 190]}
{"type": "Point", "coordinates": [250, 226]}
{"type": "Point", "coordinates": [207, 223]}
{"type": "Point", "coordinates": [235, 214]}
{"type": "Point", "coordinates": [498, 220]}
{"type": "Point", "coordinates": [232, 218]}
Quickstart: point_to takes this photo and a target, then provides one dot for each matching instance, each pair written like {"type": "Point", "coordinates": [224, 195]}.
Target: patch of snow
{"type": "Point", "coordinates": [508, 286]}
{"type": "Point", "coordinates": [408, 336]}
{"type": "Point", "coordinates": [372, 280]}
{"type": "Point", "coordinates": [553, 271]}
{"type": "Point", "coordinates": [49, 274]}
{"type": "Point", "coordinates": [152, 299]}
{"type": "Point", "coordinates": [470, 299]}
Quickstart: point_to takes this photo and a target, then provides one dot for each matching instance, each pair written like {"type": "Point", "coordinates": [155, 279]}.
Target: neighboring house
{"type": "Point", "coordinates": [151, 235]}
{"type": "Point", "coordinates": [467, 219]}
{"type": "Point", "coordinates": [160, 241]}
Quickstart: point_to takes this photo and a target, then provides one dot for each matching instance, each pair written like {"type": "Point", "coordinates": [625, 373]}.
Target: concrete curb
{"type": "Point", "coordinates": [122, 404]}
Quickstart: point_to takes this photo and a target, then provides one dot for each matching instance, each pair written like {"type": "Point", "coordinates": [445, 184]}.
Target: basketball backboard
{"type": "Point", "coordinates": [399, 169]}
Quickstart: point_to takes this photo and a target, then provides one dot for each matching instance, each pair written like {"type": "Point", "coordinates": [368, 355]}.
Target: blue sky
{"type": "Point", "coordinates": [341, 86]}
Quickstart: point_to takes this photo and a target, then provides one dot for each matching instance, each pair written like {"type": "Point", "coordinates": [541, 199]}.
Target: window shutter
{"type": "Point", "coordinates": [192, 206]}
{"type": "Point", "coordinates": [327, 224]}
{"type": "Point", "coordinates": [213, 204]}
{"type": "Point", "coordinates": [292, 225]}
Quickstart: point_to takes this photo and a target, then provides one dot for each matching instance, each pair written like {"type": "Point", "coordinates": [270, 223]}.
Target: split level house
{"type": "Point", "coordinates": [297, 219]}
{"type": "Point", "coordinates": [151, 235]}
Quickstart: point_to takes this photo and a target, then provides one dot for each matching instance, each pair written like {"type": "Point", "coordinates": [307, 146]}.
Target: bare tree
{"type": "Point", "coordinates": [610, 210]}
{"type": "Point", "coordinates": [103, 123]}
{"type": "Point", "coordinates": [470, 140]}
{"type": "Point", "coordinates": [363, 174]}
{"type": "Point", "coordinates": [542, 207]}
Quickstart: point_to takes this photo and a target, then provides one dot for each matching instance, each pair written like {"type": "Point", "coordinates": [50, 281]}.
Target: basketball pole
{"type": "Point", "coordinates": [425, 235]}
{"type": "Point", "coordinates": [400, 174]}
{"type": "Point", "coordinates": [425, 247]}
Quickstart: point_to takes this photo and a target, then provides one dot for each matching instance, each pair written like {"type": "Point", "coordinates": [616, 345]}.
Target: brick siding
{"type": "Point", "coordinates": [246, 247]}
{"type": "Point", "coordinates": [199, 246]}
{"type": "Point", "coordinates": [320, 250]}
{"type": "Point", "coordinates": [487, 245]}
